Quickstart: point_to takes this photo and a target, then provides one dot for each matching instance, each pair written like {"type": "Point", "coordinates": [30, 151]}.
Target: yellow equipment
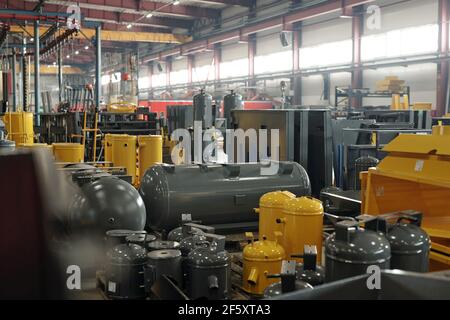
{"type": "Point", "coordinates": [68, 152]}
{"type": "Point", "coordinates": [150, 149]}
{"type": "Point", "coordinates": [108, 147]}
{"type": "Point", "coordinates": [123, 153]}
{"type": "Point", "coordinates": [28, 146]}
{"type": "Point", "coordinates": [270, 207]}
{"type": "Point", "coordinates": [19, 126]}
{"type": "Point", "coordinates": [121, 107]}
{"type": "Point", "coordinates": [261, 258]}
{"type": "Point", "coordinates": [414, 176]}
{"type": "Point", "coordinates": [302, 220]}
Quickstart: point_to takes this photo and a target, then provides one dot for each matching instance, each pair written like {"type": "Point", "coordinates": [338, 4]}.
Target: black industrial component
{"type": "Point", "coordinates": [106, 204]}
{"type": "Point", "coordinates": [187, 229]}
{"type": "Point", "coordinates": [203, 109]}
{"type": "Point", "coordinates": [119, 236]}
{"type": "Point", "coordinates": [163, 245]}
{"type": "Point", "coordinates": [208, 271]}
{"type": "Point", "coordinates": [305, 137]}
{"type": "Point", "coordinates": [232, 101]}
{"type": "Point", "coordinates": [352, 249]}
{"type": "Point", "coordinates": [223, 196]}
{"type": "Point", "coordinates": [163, 262]}
{"type": "Point", "coordinates": [410, 244]}
{"type": "Point", "coordinates": [141, 239]}
{"type": "Point", "coordinates": [363, 164]}
{"type": "Point", "coordinates": [191, 243]}
{"type": "Point", "coordinates": [125, 272]}
{"type": "Point", "coordinates": [309, 271]}
{"type": "Point", "coordinates": [179, 117]}
{"type": "Point", "coordinates": [288, 283]}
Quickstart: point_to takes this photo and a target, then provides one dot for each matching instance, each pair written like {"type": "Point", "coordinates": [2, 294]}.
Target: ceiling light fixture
{"type": "Point", "coordinates": [77, 52]}
{"type": "Point", "coordinates": [86, 48]}
{"type": "Point", "coordinates": [129, 26]}
{"type": "Point", "coordinates": [176, 2]}
{"type": "Point", "coordinates": [68, 56]}
{"type": "Point", "coordinates": [149, 15]}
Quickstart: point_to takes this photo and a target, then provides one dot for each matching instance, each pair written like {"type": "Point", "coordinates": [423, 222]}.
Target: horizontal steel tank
{"type": "Point", "coordinates": [214, 194]}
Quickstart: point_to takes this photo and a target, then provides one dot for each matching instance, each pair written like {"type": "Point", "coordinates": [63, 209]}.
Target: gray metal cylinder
{"type": "Point", "coordinates": [214, 194]}
{"type": "Point", "coordinates": [203, 109]}
{"type": "Point", "coordinates": [232, 101]}
{"type": "Point", "coordinates": [163, 262]}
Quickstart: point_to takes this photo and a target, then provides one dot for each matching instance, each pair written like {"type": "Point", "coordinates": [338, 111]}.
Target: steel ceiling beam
{"type": "Point", "coordinates": [141, 7]}
{"type": "Point", "coordinates": [242, 3]}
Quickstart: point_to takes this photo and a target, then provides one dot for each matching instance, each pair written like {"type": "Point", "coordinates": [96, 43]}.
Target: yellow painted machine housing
{"type": "Point", "coordinates": [261, 258]}
{"type": "Point", "coordinates": [68, 152]}
{"type": "Point", "coordinates": [270, 209]}
{"type": "Point", "coordinates": [414, 176]}
{"type": "Point", "coordinates": [121, 107]}
{"type": "Point", "coordinates": [302, 220]}
{"type": "Point", "coordinates": [31, 146]}
{"type": "Point", "coordinates": [150, 152]}
{"type": "Point", "coordinates": [107, 145]}
{"type": "Point", "coordinates": [19, 126]}
{"type": "Point", "coordinates": [123, 153]}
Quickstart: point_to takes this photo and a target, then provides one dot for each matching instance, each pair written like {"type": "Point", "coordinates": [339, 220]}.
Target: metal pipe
{"type": "Point", "coordinates": [98, 66]}
{"type": "Point", "coordinates": [14, 82]}
{"type": "Point", "coordinates": [60, 75]}
{"type": "Point", "coordinates": [24, 76]}
{"type": "Point", "coordinates": [37, 79]}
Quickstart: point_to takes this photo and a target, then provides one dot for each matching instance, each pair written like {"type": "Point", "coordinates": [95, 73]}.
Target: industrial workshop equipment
{"type": "Point", "coordinates": [270, 206]}
{"type": "Point", "coordinates": [415, 176]}
{"type": "Point", "coordinates": [163, 245]}
{"type": "Point", "coordinates": [203, 109]}
{"type": "Point", "coordinates": [309, 271]}
{"type": "Point", "coordinates": [187, 229]}
{"type": "Point", "coordinates": [141, 239]}
{"type": "Point", "coordinates": [261, 258]}
{"type": "Point", "coordinates": [232, 101]}
{"type": "Point", "coordinates": [163, 262]}
{"type": "Point", "coordinates": [208, 270]}
{"type": "Point", "coordinates": [352, 249]}
{"type": "Point", "coordinates": [31, 146]}
{"type": "Point", "coordinates": [68, 152]}
{"type": "Point", "coordinates": [125, 272]}
{"type": "Point", "coordinates": [119, 236]}
{"type": "Point", "coordinates": [223, 196]}
{"type": "Point", "coordinates": [302, 223]}
{"type": "Point", "coordinates": [150, 152]}
{"type": "Point", "coordinates": [289, 281]}
{"type": "Point", "coordinates": [122, 150]}
{"type": "Point", "coordinates": [19, 126]}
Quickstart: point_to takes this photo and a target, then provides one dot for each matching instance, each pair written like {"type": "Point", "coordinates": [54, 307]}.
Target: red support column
{"type": "Point", "coordinates": [443, 67]}
{"type": "Point", "coordinates": [357, 73]}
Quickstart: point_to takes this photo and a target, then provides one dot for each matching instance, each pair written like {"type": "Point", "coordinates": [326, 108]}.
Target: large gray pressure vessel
{"type": "Point", "coordinates": [214, 194]}
{"type": "Point", "coordinates": [232, 101]}
{"type": "Point", "coordinates": [203, 109]}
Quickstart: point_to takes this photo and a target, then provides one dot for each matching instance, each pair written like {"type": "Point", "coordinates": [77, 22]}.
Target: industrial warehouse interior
{"type": "Point", "coordinates": [243, 151]}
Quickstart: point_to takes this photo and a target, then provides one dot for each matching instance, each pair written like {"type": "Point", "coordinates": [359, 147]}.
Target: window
{"type": "Point", "coordinates": [179, 77]}
{"type": "Point", "coordinates": [234, 68]}
{"type": "Point", "coordinates": [105, 79]}
{"type": "Point", "coordinates": [400, 43]}
{"type": "Point", "coordinates": [327, 54]}
{"type": "Point", "coordinates": [144, 83]}
{"type": "Point", "coordinates": [159, 80]}
{"type": "Point", "coordinates": [278, 61]}
{"type": "Point", "coordinates": [203, 73]}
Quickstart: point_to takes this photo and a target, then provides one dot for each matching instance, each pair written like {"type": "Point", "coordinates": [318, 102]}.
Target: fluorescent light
{"type": "Point", "coordinates": [129, 26]}
{"type": "Point", "coordinates": [86, 47]}
{"type": "Point", "coordinates": [68, 56]}
{"type": "Point", "coordinates": [176, 2]}
{"type": "Point", "coordinates": [77, 52]}
{"type": "Point", "coordinates": [149, 15]}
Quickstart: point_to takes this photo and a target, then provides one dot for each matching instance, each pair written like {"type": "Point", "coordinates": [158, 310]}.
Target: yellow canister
{"type": "Point", "coordinates": [19, 126]}
{"type": "Point", "coordinates": [261, 258]}
{"type": "Point", "coordinates": [123, 153]}
{"type": "Point", "coordinates": [302, 223]}
{"type": "Point", "coordinates": [270, 206]}
{"type": "Point", "coordinates": [32, 146]}
{"type": "Point", "coordinates": [108, 147]}
{"type": "Point", "coordinates": [150, 150]}
{"type": "Point", "coordinates": [68, 152]}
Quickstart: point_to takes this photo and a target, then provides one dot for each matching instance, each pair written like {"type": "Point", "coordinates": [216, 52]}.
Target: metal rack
{"type": "Point", "coordinates": [345, 94]}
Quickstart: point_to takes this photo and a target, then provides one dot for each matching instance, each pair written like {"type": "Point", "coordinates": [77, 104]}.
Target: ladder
{"type": "Point", "coordinates": [95, 131]}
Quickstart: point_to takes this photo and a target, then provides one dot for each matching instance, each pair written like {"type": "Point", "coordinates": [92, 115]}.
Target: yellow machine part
{"type": "Point", "coordinates": [19, 126]}
{"type": "Point", "coordinates": [49, 147]}
{"type": "Point", "coordinates": [270, 207]}
{"type": "Point", "coordinates": [150, 150]}
{"type": "Point", "coordinates": [107, 146]}
{"type": "Point", "coordinates": [121, 107]}
{"type": "Point", "coordinates": [302, 222]}
{"type": "Point", "coordinates": [261, 258]}
{"type": "Point", "coordinates": [123, 153]}
{"type": "Point", "coordinates": [414, 176]}
{"type": "Point", "coordinates": [68, 152]}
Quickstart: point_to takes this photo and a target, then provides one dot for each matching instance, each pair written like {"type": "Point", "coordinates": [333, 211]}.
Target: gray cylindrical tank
{"type": "Point", "coordinates": [232, 101]}
{"type": "Point", "coordinates": [163, 262]}
{"type": "Point", "coordinates": [106, 204]}
{"type": "Point", "coordinates": [351, 250]}
{"type": "Point", "coordinates": [163, 245]}
{"type": "Point", "coordinates": [275, 289]}
{"type": "Point", "coordinates": [363, 164]}
{"type": "Point", "coordinates": [203, 109]}
{"type": "Point", "coordinates": [214, 194]}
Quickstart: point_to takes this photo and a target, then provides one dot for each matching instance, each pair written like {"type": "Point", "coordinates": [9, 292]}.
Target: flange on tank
{"type": "Point", "coordinates": [352, 249]}
{"type": "Point", "coordinates": [221, 195]}
{"type": "Point", "coordinates": [309, 271]}
{"type": "Point", "coordinates": [106, 204]}
{"type": "Point", "coordinates": [302, 220]}
{"type": "Point", "coordinates": [270, 210]}
{"type": "Point", "coordinates": [261, 258]}
{"type": "Point", "coordinates": [187, 229]}
{"type": "Point", "coordinates": [410, 244]}
{"type": "Point", "coordinates": [288, 283]}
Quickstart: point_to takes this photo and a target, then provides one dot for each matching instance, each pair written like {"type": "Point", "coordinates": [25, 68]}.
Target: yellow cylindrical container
{"type": "Point", "coordinates": [270, 207]}
{"type": "Point", "coordinates": [19, 126]}
{"type": "Point", "coordinates": [123, 153]}
{"type": "Point", "coordinates": [302, 220]}
{"type": "Point", "coordinates": [261, 258]}
{"type": "Point", "coordinates": [395, 102]}
{"type": "Point", "coordinates": [108, 147]}
{"type": "Point", "coordinates": [150, 152]}
{"type": "Point", "coordinates": [68, 152]}
{"type": "Point", "coordinates": [405, 102]}
{"type": "Point", "coordinates": [48, 147]}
